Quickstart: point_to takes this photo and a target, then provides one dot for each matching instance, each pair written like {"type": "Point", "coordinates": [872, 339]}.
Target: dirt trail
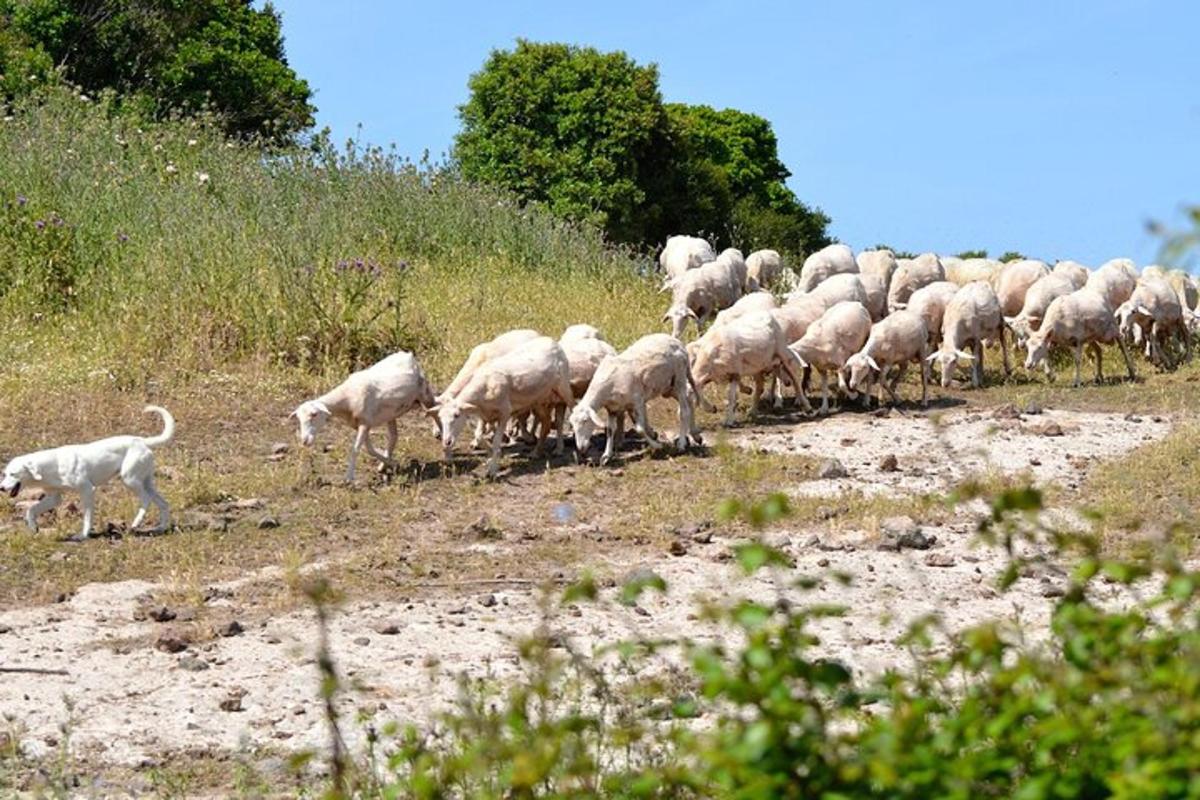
{"type": "Point", "coordinates": [134, 703]}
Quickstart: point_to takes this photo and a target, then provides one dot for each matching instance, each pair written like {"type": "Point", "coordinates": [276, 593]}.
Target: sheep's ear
{"type": "Point", "coordinates": [932, 357]}
{"type": "Point", "coordinates": [1143, 311]}
{"type": "Point", "coordinates": [295, 414]}
{"type": "Point", "coordinates": [803, 363]}
{"type": "Point", "coordinates": [874, 366]}
{"type": "Point", "coordinates": [964, 355]}
{"type": "Point", "coordinates": [595, 418]}
{"type": "Point", "coordinates": [900, 306]}
{"type": "Point", "coordinates": [666, 287]}
{"type": "Point", "coordinates": [692, 314]}
{"type": "Point", "coordinates": [433, 410]}
{"type": "Point", "coordinates": [666, 318]}
{"type": "Point", "coordinates": [324, 409]}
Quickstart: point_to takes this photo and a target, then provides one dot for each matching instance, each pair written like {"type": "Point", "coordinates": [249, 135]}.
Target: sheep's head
{"type": "Point", "coordinates": [678, 315]}
{"type": "Point", "coordinates": [18, 471]}
{"type": "Point", "coordinates": [862, 369]}
{"type": "Point", "coordinates": [1021, 328]}
{"type": "Point", "coordinates": [584, 421]}
{"type": "Point", "coordinates": [1037, 348]}
{"type": "Point", "coordinates": [452, 415]}
{"type": "Point", "coordinates": [947, 360]}
{"type": "Point", "coordinates": [312, 416]}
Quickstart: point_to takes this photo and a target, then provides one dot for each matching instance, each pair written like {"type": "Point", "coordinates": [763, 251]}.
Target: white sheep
{"type": "Point", "coordinates": [746, 304]}
{"type": "Point", "coordinates": [535, 378]}
{"type": "Point", "coordinates": [875, 269]}
{"type": "Point", "coordinates": [653, 366]}
{"type": "Point", "coordinates": [700, 293]}
{"type": "Point", "coordinates": [1077, 272]}
{"type": "Point", "coordinates": [1073, 320]}
{"type": "Point", "coordinates": [794, 318]}
{"type": "Point", "coordinates": [367, 399]}
{"type": "Point", "coordinates": [480, 354]}
{"type": "Point", "coordinates": [763, 267]}
{"type": "Point", "coordinates": [585, 348]}
{"type": "Point", "coordinates": [682, 253]}
{"type": "Point", "coordinates": [831, 340]}
{"type": "Point", "coordinates": [1012, 282]}
{"type": "Point", "coordinates": [929, 303]}
{"type": "Point", "coordinates": [753, 346]}
{"type": "Point", "coordinates": [896, 341]}
{"type": "Point", "coordinates": [1185, 287]}
{"type": "Point", "coordinates": [911, 274]}
{"type": "Point", "coordinates": [1037, 300]}
{"type": "Point", "coordinates": [972, 318]}
{"type": "Point", "coordinates": [1153, 311]}
{"type": "Point", "coordinates": [1114, 281]}
{"type": "Point", "coordinates": [836, 259]}
{"type": "Point", "coordinates": [846, 287]}
{"type": "Point", "coordinates": [962, 271]}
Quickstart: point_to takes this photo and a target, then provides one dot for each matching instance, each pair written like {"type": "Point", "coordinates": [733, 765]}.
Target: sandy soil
{"type": "Point", "coordinates": [135, 704]}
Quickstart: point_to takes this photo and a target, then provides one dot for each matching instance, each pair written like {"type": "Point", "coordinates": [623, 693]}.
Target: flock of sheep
{"type": "Point", "coordinates": [858, 321]}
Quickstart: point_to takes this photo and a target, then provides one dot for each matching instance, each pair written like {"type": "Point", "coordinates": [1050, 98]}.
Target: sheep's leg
{"type": "Point", "coordinates": [477, 440]}
{"type": "Point", "coordinates": [1099, 356]}
{"type": "Point", "coordinates": [685, 422]}
{"type": "Point", "coordinates": [639, 406]}
{"type": "Point", "coordinates": [1128, 360]}
{"type": "Point", "coordinates": [614, 423]}
{"type": "Point", "coordinates": [756, 397]}
{"type": "Point", "coordinates": [924, 382]}
{"type": "Point", "coordinates": [393, 436]}
{"type": "Point", "coordinates": [824, 392]}
{"type": "Point", "coordinates": [1004, 352]}
{"type": "Point", "coordinates": [493, 465]}
{"type": "Point", "coordinates": [791, 375]}
{"type": "Point", "coordinates": [560, 426]}
{"type": "Point", "coordinates": [361, 437]}
{"type": "Point", "coordinates": [731, 403]}
{"type": "Point", "coordinates": [372, 452]}
{"type": "Point", "coordinates": [891, 387]}
{"type": "Point", "coordinates": [1078, 359]}
{"type": "Point", "coordinates": [977, 376]}
{"type": "Point", "coordinates": [541, 427]}
{"type": "Point", "coordinates": [776, 392]}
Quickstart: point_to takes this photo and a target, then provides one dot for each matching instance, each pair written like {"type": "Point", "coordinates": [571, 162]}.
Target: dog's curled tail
{"type": "Point", "coordinates": [168, 427]}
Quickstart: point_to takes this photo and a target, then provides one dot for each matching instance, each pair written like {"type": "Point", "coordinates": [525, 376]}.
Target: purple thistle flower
{"type": "Point", "coordinates": [56, 220]}
{"type": "Point", "coordinates": [122, 237]}
{"type": "Point", "coordinates": [22, 199]}
{"type": "Point", "coordinates": [39, 224]}
{"type": "Point", "coordinates": [341, 266]}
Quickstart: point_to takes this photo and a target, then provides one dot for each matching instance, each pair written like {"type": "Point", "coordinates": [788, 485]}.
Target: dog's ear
{"type": "Point", "coordinates": [32, 468]}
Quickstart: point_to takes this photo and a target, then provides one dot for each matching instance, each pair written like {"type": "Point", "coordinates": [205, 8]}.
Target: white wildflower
{"type": "Point", "coordinates": [202, 178]}
{"type": "Point", "coordinates": [172, 169]}
{"type": "Point", "coordinates": [192, 143]}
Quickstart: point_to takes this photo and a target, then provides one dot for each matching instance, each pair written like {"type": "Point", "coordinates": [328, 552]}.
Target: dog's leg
{"type": "Point", "coordinates": [87, 497]}
{"type": "Point", "coordinates": [164, 510]}
{"type": "Point", "coordinates": [41, 507]}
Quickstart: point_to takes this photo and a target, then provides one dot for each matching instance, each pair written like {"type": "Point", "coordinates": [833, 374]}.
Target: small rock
{"type": "Point", "coordinates": [279, 448]}
{"type": "Point", "coordinates": [939, 560]}
{"type": "Point", "coordinates": [1053, 590]}
{"type": "Point", "coordinates": [483, 528]}
{"type": "Point", "coordinates": [889, 463]}
{"type": "Point", "coordinates": [161, 614]}
{"type": "Point", "coordinates": [883, 412]}
{"type": "Point", "coordinates": [1132, 418]}
{"type": "Point", "coordinates": [248, 504]}
{"type": "Point", "coordinates": [59, 555]}
{"type": "Point", "coordinates": [362, 641]}
{"type": "Point", "coordinates": [233, 700]}
{"type": "Point", "coordinates": [677, 548]}
{"type": "Point", "coordinates": [616, 473]}
{"type": "Point", "coordinates": [1035, 462]}
{"type": "Point", "coordinates": [193, 664]}
{"type": "Point", "coordinates": [823, 562]}
{"type": "Point", "coordinates": [231, 628]}
{"type": "Point", "coordinates": [200, 521]}
{"type": "Point", "coordinates": [172, 641]}
{"type": "Point", "coordinates": [692, 529]}
{"type": "Point", "coordinates": [1157, 418]}
{"type": "Point", "coordinates": [5, 628]}
{"type": "Point", "coordinates": [387, 627]}
{"type": "Point", "coordinates": [488, 600]}
{"type": "Point", "coordinates": [831, 469]}
{"type": "Point", "coordinates": [847, 442]}
{"type": "Point", "coordinates": [641, 611]}
{"type": "Point", "coordinates": [900, 533]}
{"type": "Point", "coordinates": [277, 457]}
{"type": "Point", "coordinates": [268, 522]}
{"type": "Point", "coordinates": [1006, 411]}
{"type": "Point", "coordinates": [1033, 408]}
{"type": "Point", "coordinates": [1047, 429]}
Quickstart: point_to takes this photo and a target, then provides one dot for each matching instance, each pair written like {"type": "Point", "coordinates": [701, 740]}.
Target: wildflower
{"type": "Point", "coordinates": [341, 266]}
{"type": "Point", "coordinates": [122, 237]}
{"type": "Point", "coordinates": [202, 178]}
{"type": "Point", "coordinates": [85, 98]}
{"type": "Point", "coordinates": [157, 147]}
{"type": "Point", "coordinates": [121, 140]}
{"type": "Point", "coordinates": [39, 224]}
{"type": "Point", "coordinates": [172, 169]}
{"type": "Point", "coordinates": [22, 199]}
{"type": "Point", "coordinates": [192, 143]}
{"type": "Point", "coordinates": [56, 220]}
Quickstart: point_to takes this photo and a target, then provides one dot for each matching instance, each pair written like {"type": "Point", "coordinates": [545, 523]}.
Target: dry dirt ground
{"type": "Point", "coordinates": [443, 573]}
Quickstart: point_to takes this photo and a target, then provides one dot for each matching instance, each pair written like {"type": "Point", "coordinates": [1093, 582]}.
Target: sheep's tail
{"type": "Point", "coordinates": [168, 427]}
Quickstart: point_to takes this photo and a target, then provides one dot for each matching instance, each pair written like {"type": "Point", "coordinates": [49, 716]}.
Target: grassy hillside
{"type": "Point", "coordinates": [132, 250]}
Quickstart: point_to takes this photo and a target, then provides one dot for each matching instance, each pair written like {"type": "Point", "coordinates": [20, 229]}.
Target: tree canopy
{"type": "Point", "coordinates": [221, 55]}
{"type": "Point", "coordinates": [588, 134]}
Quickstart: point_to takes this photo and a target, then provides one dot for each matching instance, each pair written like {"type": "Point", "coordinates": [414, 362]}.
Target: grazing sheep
{"type": "Point", "coordinates": [911, 274]}
{"type": "Point", "coordinates": [876, 291]}
{"type": "Point", "coordinates": [1153, 311]}
{"type": "Point", "coordinates": [585, 349]}
{"type": "Point", "coordinates": [1013, 281]}
{"type": "Point", "coordinates": [536, 378]}
{"type": "Point", "coordinates": [1077, 272]}
{"type": "Point", "coordinates": [367, 399]}
{"type": "Point", "coordinates": [480, 354]}
{"type": "Point", "coordinates": [682, 253]}
{"type": "Point", "coordinates": [752, 346]}
{"type": "Point", "coordinates": [1073, 320]}
{"type": "Point", "coordinates": [1114, 281]}
{"type": "Point", "coordinates": [896, 341]}
{"type": "Point", "coordinates": [1153, 271]}
{"type": "Point", "coordinates": [968, 270]}
{"type": "Point", "coordinates": [929, 303]}
{"type": "Point", "coordinates": [747, 303]}
{"type": "Point", "coordinates": [972, 317]}
{"type": "Point", "coordinates": [653, 366]}
{"type": "Point", "coordinates": [1037, 300]}
{"type": "Point", "coordinates": [794, 318]}
{"type": "Point", "coordinates": [1184, 286]}
{"type": "Point", "coordinates": [832, 339]}
{"type": "Point", "coordinates": [762, 268]}
{"type": "Point", "coordinates": [875, 268]}
{"type": "Point", "coordinates": [836, 259]}
{"type": "Point", "coordinates": [841, 288]}
{"type": "Point", "coordinates": [700, 293]}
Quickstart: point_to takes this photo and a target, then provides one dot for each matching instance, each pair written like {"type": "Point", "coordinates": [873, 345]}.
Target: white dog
{"type": "Point", "coordinates": [84, 467]}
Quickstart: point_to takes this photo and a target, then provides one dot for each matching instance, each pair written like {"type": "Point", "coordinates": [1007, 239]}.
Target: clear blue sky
{"type": "Point", "coordinates": [1056, 127]}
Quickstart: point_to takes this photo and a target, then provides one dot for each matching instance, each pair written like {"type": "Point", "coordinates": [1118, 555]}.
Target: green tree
{"type": "Point", "coordinates": [972, 254]}
{"type": "Point", "coordinates": [172, 55]}
{"type": "Point", "coordinates": [579, 130]}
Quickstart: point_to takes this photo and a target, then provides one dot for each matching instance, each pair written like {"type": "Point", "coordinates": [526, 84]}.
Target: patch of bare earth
{"type": "Point", "coordinates": [443, 592]}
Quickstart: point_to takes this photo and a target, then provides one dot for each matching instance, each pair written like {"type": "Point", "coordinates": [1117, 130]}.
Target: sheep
{"type": "Point", "coordinates": [900, 339]}
{"type": "Point", "coordinates": [1153, 311]}
{"type": "Point", "coordinates": [912, 274]}
{"type": "Point", "coordinates": [1185, 287]}
{"type": "Point", "coordinates": [653, 366]}
{"type": "Point", "coordinates": [585, 349]}
{"type": "Point", "coordinates": [1013, 281]}
{"type": "Point", "coordinates": [836, 259]}
{"type": "Point", "coordinates": [1081, 317]}
{"type": "Point", "coordinates": [536, 377]}
{"type": "Point", "coordinates": [971, 318]}
{"type": "Point", "coordinates": [832, 339]}
{"type": "Point", "coordinates": [1153, 271]}
{"type": "Point", "coordinates": [1114, 281]}
{"type": "Point", "coordinates": [702, 292]}
{"type": "Point", "coordinates": [368, 398]}
{"type": "Point", "coordinates": [840, 288]}
{"type": "Point", "coordinates": [762, 268]}
{"type": "Point", "coordinates": [747, 303]}
{"type": "Point", "coordinates": [502, 345]}
{"type": "Point", "coordinates": [682, 253]}
{"type": "Point", "coordinates": [1077, 272]}
{"type": "Point", "coordinates": [1037, 300]}
{"type": "Point", "coordinates": [751, 346]}
{"type": "Point", "coordinates": [875, 268]}
{"type": "Point", "coordinates": [967, 270]}
{"type": "Point", "coordinates": [794, 318]}
{"type": "Point", "coordinates": [929, 303]}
